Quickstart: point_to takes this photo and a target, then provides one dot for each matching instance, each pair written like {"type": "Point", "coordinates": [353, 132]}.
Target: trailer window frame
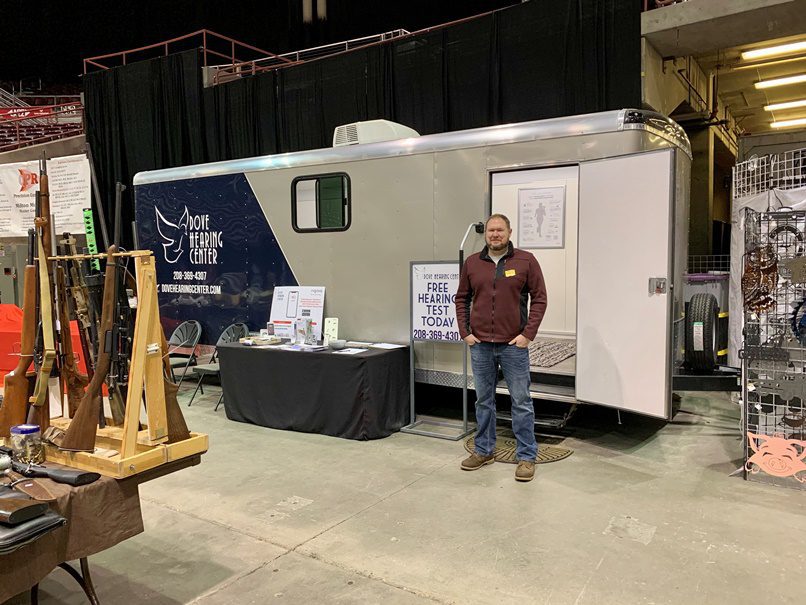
{"type": "Point", "coordinates": [347, 211]}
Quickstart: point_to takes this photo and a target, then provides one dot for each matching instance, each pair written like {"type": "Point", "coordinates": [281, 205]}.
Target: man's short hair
{"type": "Point", "coordinates": [501, 216]}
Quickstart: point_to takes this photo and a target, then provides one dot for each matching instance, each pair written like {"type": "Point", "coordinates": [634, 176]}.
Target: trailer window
{"type": "Point", "coordinates": [321, 203]}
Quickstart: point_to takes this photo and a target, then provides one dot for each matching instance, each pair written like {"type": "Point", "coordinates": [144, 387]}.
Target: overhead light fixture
{"type": "Point", "coordinates": [774, 51]}
{"type": "Point", "coordinates": [789, 123]}
{"type": "Point", "coordinates": [781, 81]}
{"type": "Point", "coordinates": [787, 105]}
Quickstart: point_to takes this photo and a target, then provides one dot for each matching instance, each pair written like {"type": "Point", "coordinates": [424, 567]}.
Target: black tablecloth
{"type": "Point", "coordinates": [362, 396]}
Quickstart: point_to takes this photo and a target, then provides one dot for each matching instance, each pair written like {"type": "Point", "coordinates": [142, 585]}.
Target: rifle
{"type": "Point", "coordinates": [40, 412]}
{"type": "Point", "coordinates": [14, 511]}
{"type": "Point", "coordinates": [75, 381]}
{"type": "Point", "coordinates": [15, 384]}
{"type": "Point", "coordinates": [177, 427]}
{"type": "Point", "coordinates": [78, 291]}
{"type": "Point", "coordinates": [80, 435]}
{"type": "Point", "coordinates": [67, 476]}
{"type": "Point", "coordinates": [118, 375]}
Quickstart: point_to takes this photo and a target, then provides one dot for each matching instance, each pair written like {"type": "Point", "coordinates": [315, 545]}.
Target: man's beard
{"type": "Point", "coordinates": [497, 247]}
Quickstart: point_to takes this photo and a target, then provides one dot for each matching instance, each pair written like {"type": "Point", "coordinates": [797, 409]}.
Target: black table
{"type": "Point", "coordinates": [361, 396]}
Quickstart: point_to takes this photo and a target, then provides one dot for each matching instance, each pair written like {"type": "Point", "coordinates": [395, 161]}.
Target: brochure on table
{"type": "Point", "coordinates": [291, 303]}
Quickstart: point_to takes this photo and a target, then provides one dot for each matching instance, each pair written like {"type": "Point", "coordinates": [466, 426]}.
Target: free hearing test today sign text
{"type": "Point", "coordinates": [433, 290]}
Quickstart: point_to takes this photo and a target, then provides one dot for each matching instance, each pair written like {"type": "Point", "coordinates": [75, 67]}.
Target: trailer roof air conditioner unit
{"type": "Point", "coordinates": [371, 131]}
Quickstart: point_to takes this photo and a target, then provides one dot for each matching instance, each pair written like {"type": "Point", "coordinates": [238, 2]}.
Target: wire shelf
{"type": "Point", "coordinates": [709, 263]}
{"type": "Point", "coordinates": [756, 175]}
{"type": "Point", "coordinates": [774, 348]}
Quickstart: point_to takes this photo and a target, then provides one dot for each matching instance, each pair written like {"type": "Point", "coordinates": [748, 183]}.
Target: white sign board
{"type": "Point", "coordinates": [541, 218]}
{"type": "Point", "coordinates": [433, 291]}
{"type": "Point", "coordinates": [290, 303]}
{"type": "Point", "coordinates": [69, 186]}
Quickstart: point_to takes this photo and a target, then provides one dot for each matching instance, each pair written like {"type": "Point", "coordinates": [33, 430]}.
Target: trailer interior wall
{"type": "Point", "coordinates": [559, 265]}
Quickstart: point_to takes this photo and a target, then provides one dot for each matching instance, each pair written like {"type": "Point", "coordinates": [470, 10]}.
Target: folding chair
{"type": "Point", "coordinates": [186, 335]}
{"type": "Point", "coordinates": [232, 333]}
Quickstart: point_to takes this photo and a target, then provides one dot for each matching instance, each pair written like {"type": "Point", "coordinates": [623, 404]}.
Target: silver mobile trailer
{"type": "Point", "coordinates": [614, 285]}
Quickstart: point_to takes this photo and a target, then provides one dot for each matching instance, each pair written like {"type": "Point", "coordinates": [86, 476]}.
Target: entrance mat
{"type": "Point", "coordinates": [505, 448]}
{"type": "Point", "coordinates": [548, 352]}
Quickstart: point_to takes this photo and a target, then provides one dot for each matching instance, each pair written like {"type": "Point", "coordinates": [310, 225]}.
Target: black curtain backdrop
{"type": "Point", "coordinates": [144, 116]}
{"type": "Point", "coordinates": [536, 60]}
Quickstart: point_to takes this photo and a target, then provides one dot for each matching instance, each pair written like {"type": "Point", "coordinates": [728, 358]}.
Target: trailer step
{"type": "Point", "coordinates": [547, 422]}
{"type": "Point", "coordinates": [552, 392]}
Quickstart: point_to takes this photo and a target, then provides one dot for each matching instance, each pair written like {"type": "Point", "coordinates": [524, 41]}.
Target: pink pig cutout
{"type": "Point", "coordinates": [778, 456]}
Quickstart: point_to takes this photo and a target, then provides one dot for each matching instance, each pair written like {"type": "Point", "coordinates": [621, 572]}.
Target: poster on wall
{"type": "Point", "coordinates": [541, 218]}
{"type": "Point", "coordinates": [69, 186]}
{"type": "Point", "coordinates": [69, 183]}
{"type": "Point", "coordinates": [292, 303]}
{"type": "Point", "coordinates": [433, 292]}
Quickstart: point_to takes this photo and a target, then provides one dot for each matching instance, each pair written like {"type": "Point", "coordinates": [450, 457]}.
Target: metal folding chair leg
{"type": "Point", "coordinates": [198, 386]}
{"type": "Point", "coordinates": [220, 399]}
{"type": "Point", "coordinates": [184, 371]}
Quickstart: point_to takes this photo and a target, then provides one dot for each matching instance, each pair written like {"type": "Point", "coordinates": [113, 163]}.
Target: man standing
{"type": "Point", "coordinates": [499, 281]}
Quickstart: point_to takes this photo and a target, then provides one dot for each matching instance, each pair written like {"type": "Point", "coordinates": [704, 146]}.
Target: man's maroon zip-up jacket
{"type": "Point", "coordinates": [500, 296]}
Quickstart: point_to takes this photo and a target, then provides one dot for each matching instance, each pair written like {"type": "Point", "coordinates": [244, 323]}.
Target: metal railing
{"type": "Point", "coordinates": [55, 99]}
{"type": "Point", "coordinates": [23, 130]}
{"type": "Point", "coordinates": [248, 68]}
{"type": "Point", "coordinates": [7, 99]}
{"type": "Point", "coordinates": [226, 49]}
{"type": "Point", "coordinates": [251, 68]}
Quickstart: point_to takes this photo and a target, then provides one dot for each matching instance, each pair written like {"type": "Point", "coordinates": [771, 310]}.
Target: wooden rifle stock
{"type": "Point", "coordinates": [76, 382]}
{"type": "Point", "coordinates": [80, 435]}
{"type": "Point", "coordinates": [177, 427]}
{"type": "Point", "coordinates": [40, 408]}
{"type": "Point", "coordinates": [15, 389]}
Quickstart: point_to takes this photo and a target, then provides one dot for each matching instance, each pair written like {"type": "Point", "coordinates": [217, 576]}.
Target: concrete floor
{"type": "Point", "coordinates": [640, 513]}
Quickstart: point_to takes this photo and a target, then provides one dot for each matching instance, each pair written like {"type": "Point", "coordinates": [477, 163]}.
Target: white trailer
{"type": "Point", "coordinates": [351, 217]}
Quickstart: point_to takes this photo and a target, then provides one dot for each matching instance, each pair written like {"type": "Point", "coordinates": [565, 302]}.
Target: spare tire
{"type": "Point", "coordinates": [701, 332]}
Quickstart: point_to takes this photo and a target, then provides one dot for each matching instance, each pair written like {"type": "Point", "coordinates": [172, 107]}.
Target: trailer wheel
{"type": "Point", "coordinates": [701, 332]}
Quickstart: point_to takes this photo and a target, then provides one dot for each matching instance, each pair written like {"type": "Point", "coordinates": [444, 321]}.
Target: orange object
{"type": "Point", "coordinates": [10, 328]}
{"type": "Point", "coordinates": [777, 456]}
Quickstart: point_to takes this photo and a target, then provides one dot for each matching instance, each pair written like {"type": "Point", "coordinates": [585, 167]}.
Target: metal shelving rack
{"type": "Point", "coordinates": [774, 348]}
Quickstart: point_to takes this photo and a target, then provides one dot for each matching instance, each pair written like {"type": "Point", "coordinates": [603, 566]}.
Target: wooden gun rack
{"type": "Point", "coordinates": [123, 452]}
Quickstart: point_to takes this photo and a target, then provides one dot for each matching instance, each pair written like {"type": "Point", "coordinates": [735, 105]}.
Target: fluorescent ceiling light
{"type": "Point", "coordinates": [787, 105]}
{"type": "Point", "coordinates": [789, 123]}
{"type": "Point", "coordinates": [774, 51]}
{"type": "Point", "coordinates": [781, 81]}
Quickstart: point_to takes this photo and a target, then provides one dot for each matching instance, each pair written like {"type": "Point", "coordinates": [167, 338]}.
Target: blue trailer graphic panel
{"type": "Point", "coordinates": [217, 259]}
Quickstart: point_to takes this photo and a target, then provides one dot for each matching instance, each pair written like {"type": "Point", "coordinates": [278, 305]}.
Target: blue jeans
{"type": "Point", "coordinates": [485, 358]}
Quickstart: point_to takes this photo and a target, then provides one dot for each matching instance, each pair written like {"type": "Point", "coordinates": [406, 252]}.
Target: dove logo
{"type": "Point", "coordinates": [173, 236]}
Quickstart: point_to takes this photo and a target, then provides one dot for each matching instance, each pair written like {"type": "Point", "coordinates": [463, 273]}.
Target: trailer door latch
{"type": "Point", "coordinates": [657, 285]}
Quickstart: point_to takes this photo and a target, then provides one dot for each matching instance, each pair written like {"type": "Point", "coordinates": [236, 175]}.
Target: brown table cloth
{"type": "Point", "coordinates": [99, 515]}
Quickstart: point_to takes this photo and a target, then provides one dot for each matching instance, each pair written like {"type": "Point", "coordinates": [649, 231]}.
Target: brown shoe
{"type": "Point", "coordinates": [525, 470]}
{"type": "Point", "coordinates": [476, 461]}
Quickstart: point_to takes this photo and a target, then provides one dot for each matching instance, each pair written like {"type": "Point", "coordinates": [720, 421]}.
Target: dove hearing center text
{"type": "Point", "coordinates": [204, 243]}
